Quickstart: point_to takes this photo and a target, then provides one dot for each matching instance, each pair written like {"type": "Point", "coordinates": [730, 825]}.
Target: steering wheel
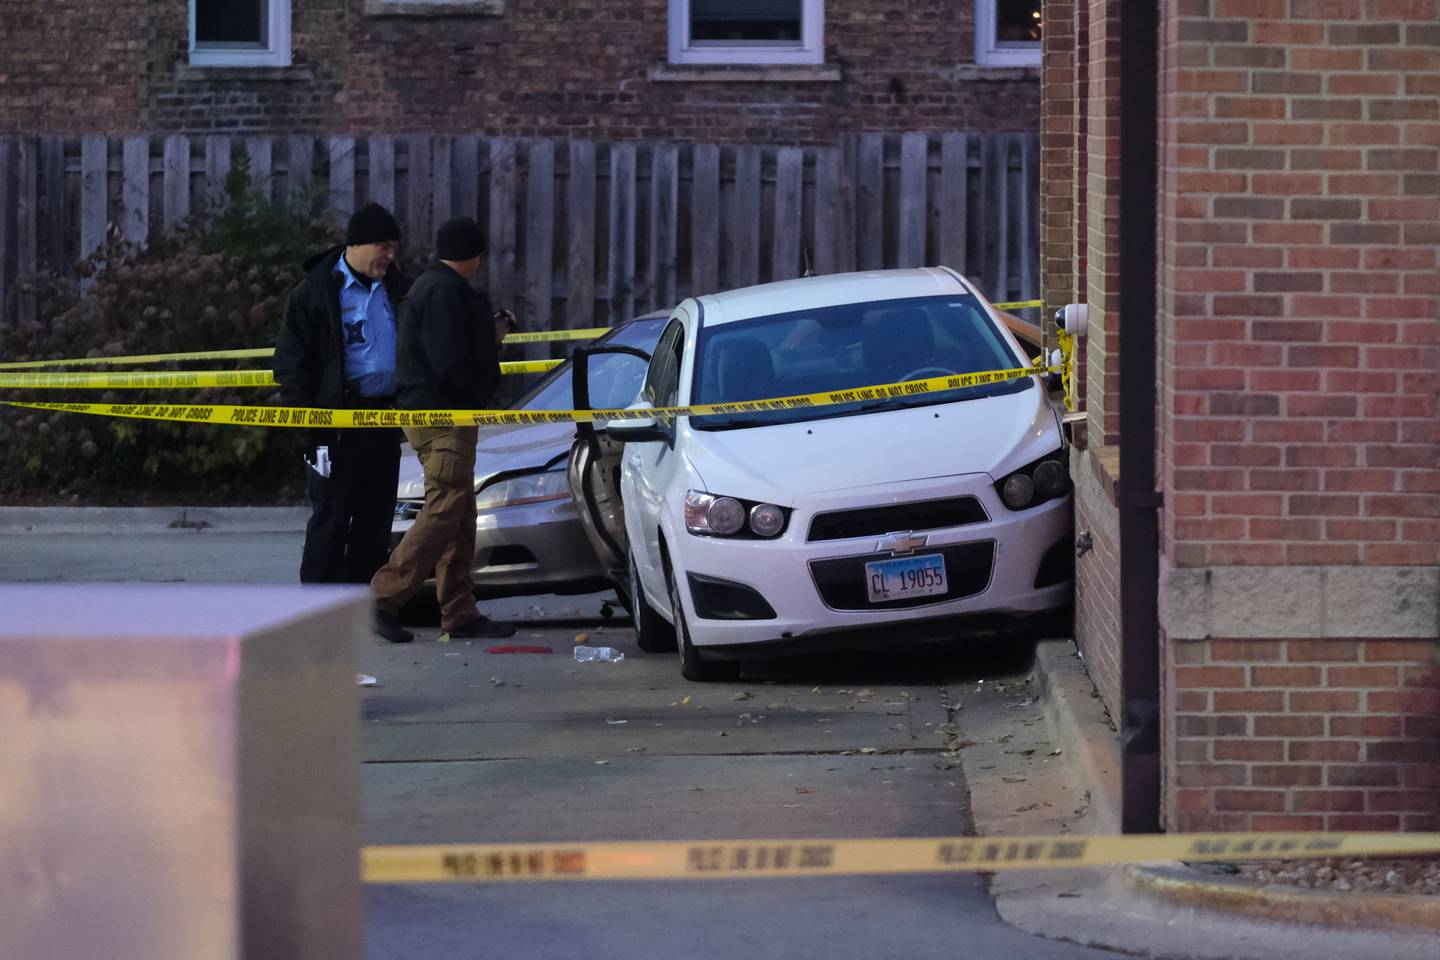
{"type": "Point", "coordinates": [924, 373]}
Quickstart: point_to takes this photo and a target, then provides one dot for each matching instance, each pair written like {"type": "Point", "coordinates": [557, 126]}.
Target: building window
{"type": "Point", "coordinates": [1007, 32]}
{"type": "Point", "coordinates": [240, 33]}
{"type": "Point", "coordinates": [747, 31]}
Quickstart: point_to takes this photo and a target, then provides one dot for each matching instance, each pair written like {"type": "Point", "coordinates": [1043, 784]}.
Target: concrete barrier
{"type": "Point", "coordinates": [178, 772]}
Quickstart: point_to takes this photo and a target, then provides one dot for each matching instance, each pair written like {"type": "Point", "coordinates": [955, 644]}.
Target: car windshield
{"type": "Point", "coordinates": [615, 378]}
{"type": "Point", "coordinates": [846, 346]}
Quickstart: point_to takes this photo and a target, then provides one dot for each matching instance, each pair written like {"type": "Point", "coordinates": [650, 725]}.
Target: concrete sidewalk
{"type": "Point", "coordinates": [1166, 910]}
{"type": "Point", "coordinates": [151, 519]}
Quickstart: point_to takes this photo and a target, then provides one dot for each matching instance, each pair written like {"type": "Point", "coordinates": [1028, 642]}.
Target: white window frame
{"type": "Point", "coordinates": [810, 49]}
{"type": "Point", "coordinates": [989, 52]}
{"type": "Point", "coordinates": [275, 52]}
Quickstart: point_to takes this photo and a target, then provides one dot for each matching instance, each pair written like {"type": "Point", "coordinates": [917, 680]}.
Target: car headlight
{"type": "Point", "coordinates": [712, 515]}
{"type": "Point", "coordinates": [526, 488]}
{"type": "Point", "coordinates": [1034, 483]}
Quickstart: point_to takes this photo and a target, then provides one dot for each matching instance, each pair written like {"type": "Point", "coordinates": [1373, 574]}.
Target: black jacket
{"type": "Point", "coordinates": [446, 357]}
{"type": "Point", "coordinates": [309, 361]}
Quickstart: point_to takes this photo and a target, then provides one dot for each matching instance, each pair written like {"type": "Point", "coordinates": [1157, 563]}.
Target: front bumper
{"type": "Point", "coordinates": [528, 548]}
{"type": "Point", "coordinates": [805, 581]}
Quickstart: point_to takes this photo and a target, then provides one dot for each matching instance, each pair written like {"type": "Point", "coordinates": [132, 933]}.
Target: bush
{"type": "Point", "coordinates": [220, 283]}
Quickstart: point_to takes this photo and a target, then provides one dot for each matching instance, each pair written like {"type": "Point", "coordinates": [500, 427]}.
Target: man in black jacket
{"type": "Point", "coordinates": [336, 349]}
{"type": "Point", "coordinates": [448, 359]}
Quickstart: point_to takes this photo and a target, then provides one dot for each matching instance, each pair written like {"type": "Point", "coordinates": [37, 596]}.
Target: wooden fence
{"type": "Point", "coordinates": [579, 232]}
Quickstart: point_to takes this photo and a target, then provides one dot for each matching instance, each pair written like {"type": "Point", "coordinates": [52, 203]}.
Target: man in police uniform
{"type": "Point", "coordinates": [336, 349]}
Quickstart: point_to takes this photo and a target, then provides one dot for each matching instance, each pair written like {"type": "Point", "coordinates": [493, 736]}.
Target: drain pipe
{"type": "Point", "coordinates": [1136, 496]}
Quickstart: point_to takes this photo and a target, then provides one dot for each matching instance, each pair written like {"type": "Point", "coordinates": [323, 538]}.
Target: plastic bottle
{"type": "Point", "coordinates": [585, 654]}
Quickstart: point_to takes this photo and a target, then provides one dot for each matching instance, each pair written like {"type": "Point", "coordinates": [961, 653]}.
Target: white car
{"type": "Point", "coordinates": [877, 523]}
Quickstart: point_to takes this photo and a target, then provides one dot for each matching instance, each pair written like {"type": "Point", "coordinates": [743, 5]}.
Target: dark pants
{"type": "Point", "coordinates": [348, 536]}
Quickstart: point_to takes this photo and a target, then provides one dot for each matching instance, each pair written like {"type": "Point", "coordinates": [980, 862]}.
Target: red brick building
{"type": "Point", "coordinates": [760, 71]}
{"type": "Point", "coordinates": [1298, 367]}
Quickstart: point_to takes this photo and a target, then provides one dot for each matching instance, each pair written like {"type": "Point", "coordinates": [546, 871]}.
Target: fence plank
{"type": "Point", "coordinates": [299, 171]}
{"type": "Point", "coordinates": [954, 200]}
{"type": "Point", "coordinates": [1025, 206]}
{"type": "Point", "coordinates": [870, 202]}
{"type": "Point", "coordinates": [664, 217]}
{"type": "Point", "coordinates": [94, 193]}
{"type": "Point", "coordinates": [135, 190]}
{"type": "Point", "coordinates": [789, 227]}
{"type": "Point", "coordinates": [176, 181]}
{"type": "Point", "coordinates": [52, 203]}
{"type": "Point", "coordinates": [342, 177]}
{"type": "Point", "coordinates": [845, 248]}
{"type": "Point", "coordinates": [380, 179]}
{"type": "Point", "coordinates": [622, 232]}
{"type": "Point", "coordinates": [914, 153]}
{"type": "Point", "coordinates": [539, 242]}
{"type": "Point", "coordinates": [442, 154]}
{"type": "Point", "coordinates": [992, 169]}
{"type": "Point", "coordinates": [465, 162]}
{"type": "Point", "coordinates": [745, 219]}
{"type": "Point", "coordinates": [705, 220]}
{"type": "Point", "coordinates": [580, 262]}
{"type": "Point", "coordinates": [504, 183]}
{"type": "Point", "coordinates": [419, 212]}
{"type": "Point", "coordinates": [217, 168]}
{"type": "Point", "coordinates": [1002, 211]}
{"type": "Point", "coordinates": [27, 209]}
{"type": "Point", "coordinates": [262, 166]}
{"type": "Point", "coordinates": [8, 189]}
{"type": "Point", "coordinates": [826, 211]}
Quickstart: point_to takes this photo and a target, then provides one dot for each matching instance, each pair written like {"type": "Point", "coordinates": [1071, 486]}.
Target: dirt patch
{"type": "Point", "coordinates": [1416, 877]}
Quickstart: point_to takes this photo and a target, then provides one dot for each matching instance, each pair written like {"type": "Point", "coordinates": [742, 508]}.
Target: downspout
{"type": "Point", "coordinates": [1135, 492]}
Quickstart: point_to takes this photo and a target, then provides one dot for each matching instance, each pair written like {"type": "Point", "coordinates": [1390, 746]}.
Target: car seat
{"type": "Point", "coordinates": [898, 342]}
{"type": "Point", "coordinates": [741, 368]}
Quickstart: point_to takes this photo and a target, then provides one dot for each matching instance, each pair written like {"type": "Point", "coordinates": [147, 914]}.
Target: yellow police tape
{"type": "Point", "coordinates": [176, 379]}
{"type": "Point", "coordinates": [541, 336]}
{"type": "Point", "coordinates": [258, 416]}
{"type": "Point", "coordinates": [727, 859]}
{"type": "Point", "coordinates": [1018, 304]}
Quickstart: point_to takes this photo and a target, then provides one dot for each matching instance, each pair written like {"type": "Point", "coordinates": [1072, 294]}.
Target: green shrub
{"type": "Point", "coordinates": [219, 283]}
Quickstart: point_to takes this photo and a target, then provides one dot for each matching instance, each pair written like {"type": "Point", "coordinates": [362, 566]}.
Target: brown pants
{"type": "Point", "coordinates": [443, 536]}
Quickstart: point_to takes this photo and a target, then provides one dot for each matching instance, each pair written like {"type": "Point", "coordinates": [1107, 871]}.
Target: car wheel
{"type": "Point", "coordinates": [652, 633]}
{"type": "Point", "coordinates": [691, 666]}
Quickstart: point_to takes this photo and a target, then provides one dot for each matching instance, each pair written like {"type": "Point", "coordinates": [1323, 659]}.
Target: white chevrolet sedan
{"type": "Point", "coordinates": [938, 516]}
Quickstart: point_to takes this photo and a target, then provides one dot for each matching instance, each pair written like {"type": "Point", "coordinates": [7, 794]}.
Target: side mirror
{"type": "Point", "coordinates": [639, 430]}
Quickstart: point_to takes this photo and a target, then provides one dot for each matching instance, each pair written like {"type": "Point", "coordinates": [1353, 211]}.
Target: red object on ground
{"type": "Point", "coordinates": [519, 649]}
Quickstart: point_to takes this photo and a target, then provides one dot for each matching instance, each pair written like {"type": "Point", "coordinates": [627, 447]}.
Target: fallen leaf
{"type": "Point", "coordinates": [804, 790]}
{"type": "Point", "coordinates": [634, 749]}
{"type": "Point", "coordinates": [684, 700]}
{"type": "Point", "coordinates": [601, 763]}
{"type": "Point", "coordinates": [1056, 752]}
{"type": "Point", "coordinates": [1013, 779]}
{"type": "Point", "coordinates": [742, 695]}
{"type": "Point", "coordinates": [582, 638]}
{"type": "Point", "coordinates": [777, 706]}
{"type": "Point", "coordinates": [867, 749]}
{"type": "Point", "coordinates": [816, 690]}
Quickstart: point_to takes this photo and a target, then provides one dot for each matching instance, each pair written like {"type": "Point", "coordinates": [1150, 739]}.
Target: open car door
{"type": "Point", "coordinates": [594, 466]}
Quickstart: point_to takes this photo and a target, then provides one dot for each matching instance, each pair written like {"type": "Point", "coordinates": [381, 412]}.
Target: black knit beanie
{"type": "Point", "coordinates": [459, 239]}
{"type": "Point", "coordinates": [372, 223]}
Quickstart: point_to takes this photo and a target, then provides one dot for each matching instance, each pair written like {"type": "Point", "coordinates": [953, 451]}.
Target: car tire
{"type": "Point", "coordinates": [652, 633]}
{"type": "Point", "coordinates": [691, 666]}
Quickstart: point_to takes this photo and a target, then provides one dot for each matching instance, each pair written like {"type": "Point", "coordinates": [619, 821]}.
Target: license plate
{"type": "Point", "coordinates": [906, 577]}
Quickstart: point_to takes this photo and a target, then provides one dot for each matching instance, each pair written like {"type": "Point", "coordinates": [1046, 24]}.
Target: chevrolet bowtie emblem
{"type": "Point", "coordinates": [903, 542]}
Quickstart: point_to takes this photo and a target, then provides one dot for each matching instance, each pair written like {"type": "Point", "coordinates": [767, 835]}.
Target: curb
{"type": "Point", "coordinates": [1075, 716]}
{"type": "Point", "coordinates": [17, 520]}
{"type": "Point", "coordinates": [1384, 911]}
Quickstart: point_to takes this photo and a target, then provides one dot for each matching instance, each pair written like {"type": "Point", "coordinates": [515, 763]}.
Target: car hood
{"type": "Point", "coordinates": [993, 435]}
{"type": "Point", "coordinates": [511, 449]}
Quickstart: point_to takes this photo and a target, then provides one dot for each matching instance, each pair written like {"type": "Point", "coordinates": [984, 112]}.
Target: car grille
{"type": "Point", "coordinates": [841, 581]}
{"type": "Point", "coordinates": [873, 521]}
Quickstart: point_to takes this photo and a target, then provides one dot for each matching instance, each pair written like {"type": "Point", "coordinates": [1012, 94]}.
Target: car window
{"type": "Point", "coordinates": [662, 382]}
{"type": "Point", "coordinates": [846, 346]}
{"type": "Point", "coordinates": [615, 378]}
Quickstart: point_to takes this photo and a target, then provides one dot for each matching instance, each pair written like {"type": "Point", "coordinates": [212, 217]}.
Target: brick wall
{"type": "Point", "coordinates": [1299, 375]}
{"type": "Point", "coordinates": [1305, 735]}
{"type": "Point", "coordinates": [542, 68]}
{"type": "Point", "coordinates": [1059, 117]}
{"type": "Point", "coordinates": [1102, 209]}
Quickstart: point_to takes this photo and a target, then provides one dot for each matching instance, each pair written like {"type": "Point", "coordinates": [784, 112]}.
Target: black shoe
{"type": "Point", "coordinates": [388, 626]}
{"type": "Point", "coordinates": [482, 627]}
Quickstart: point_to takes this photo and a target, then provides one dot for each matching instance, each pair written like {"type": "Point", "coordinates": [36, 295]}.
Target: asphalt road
{"type": "Point", "coordinates": [461, 744]}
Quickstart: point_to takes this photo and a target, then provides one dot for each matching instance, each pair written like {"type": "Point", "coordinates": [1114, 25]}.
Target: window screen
{"type": "Point", "coordinates": [230, 22]}
{"type": "Point", "coordinates": [745, 21]}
